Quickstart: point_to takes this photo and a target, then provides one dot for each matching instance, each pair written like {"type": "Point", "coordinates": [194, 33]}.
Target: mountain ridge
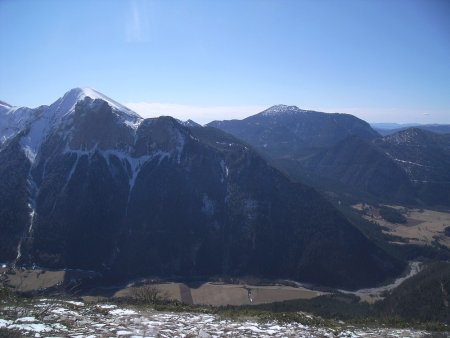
{"type": "Point", "coordinates": [388, 130]}
{"type": "Point", "coordinates": [293, 132]}
{"type": "Point", "coordinates": [404, 167]}
{"type": "Point", "coordinates": [161, 198]}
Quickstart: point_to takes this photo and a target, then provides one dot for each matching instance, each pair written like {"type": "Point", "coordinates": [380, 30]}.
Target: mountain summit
{"type": "Point", "coordinates": [282, 109]}
{"type": "Point", "coordinates": [41, 119]}
{"type": "Point", "coordinates": [68, 101]}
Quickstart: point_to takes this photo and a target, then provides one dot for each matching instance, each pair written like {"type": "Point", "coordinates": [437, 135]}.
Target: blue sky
{"type": "Point", "coordinates": [384, 61]}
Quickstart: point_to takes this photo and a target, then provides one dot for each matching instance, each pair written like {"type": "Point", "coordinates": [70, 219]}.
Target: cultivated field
{"type": "Point", "coordinates": [27, 280]}
{"type": "Point", "coordinates": [229, 294]}
{"type": "Point", "coordinates": [205, 294]}
{"type": "Point", "coordinates": [30, 280]}
{"type": "Point", "coordinates": [423, 226]}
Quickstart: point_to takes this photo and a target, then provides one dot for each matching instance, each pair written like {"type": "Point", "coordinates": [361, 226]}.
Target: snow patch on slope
{"type": "Point", "coordinates": [88, 321]}
{"type": "Point", "coordinates": [4, 105]}
{"type": "Point", "coordinates": [13, 120]}
{"type": "Point", "coordinates": [225, 170]}
{"type": "Point", "coordinates": [31, 142]}
{"type": "Point", "coordinates": [135, 163]}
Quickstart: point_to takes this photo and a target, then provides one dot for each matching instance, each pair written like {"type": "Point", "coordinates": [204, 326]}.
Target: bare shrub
{"type": "Point", "coordinates": [147, 294]}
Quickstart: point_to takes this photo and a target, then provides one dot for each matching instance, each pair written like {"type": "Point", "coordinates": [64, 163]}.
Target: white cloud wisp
{"type": "Point", "coordinates": [137, 25]}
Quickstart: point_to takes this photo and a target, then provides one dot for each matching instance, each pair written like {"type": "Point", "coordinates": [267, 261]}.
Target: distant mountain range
{"type": "Point", "coordinates": [342, 153]}
{"type": "Point", "coordinates": [391, 128]}
{"type": "Point", "coordinates": [86, 183]}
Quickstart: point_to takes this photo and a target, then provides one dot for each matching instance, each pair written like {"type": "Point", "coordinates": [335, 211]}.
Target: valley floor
{"type": "Point", "coordinates": [372, 295]}
{"type": "Point", "coordinates": [422, 226]}
{"type": "Point", "coordinates": [52, 318]}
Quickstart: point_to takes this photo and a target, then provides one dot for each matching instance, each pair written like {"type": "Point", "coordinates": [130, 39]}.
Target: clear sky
{"type": "Point", "coordinates": [384, 61]}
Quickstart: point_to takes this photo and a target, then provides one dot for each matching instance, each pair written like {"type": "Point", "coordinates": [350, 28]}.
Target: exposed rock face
{"type": "Point", "coordinates": [99, 188]}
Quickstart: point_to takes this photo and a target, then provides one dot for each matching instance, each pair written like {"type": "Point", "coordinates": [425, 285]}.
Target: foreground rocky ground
{"type": "Point", "coordinates": [58, 318]}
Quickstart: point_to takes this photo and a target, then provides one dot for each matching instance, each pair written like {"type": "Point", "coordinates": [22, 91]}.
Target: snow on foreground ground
{"type": "Point", "coordinates": [49, 318]}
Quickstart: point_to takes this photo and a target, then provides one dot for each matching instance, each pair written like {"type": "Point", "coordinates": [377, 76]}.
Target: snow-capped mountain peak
{"type": "Point", "coordinates": [15, 119]}
{"type": "Point", "coordinates": [190, 123]}
{"type": "Point", "coordinates": [38, 122]}
{"type": "Point", "coordinates": [282, 109]}
{"type": "Point", "coordinates": [68, 102]}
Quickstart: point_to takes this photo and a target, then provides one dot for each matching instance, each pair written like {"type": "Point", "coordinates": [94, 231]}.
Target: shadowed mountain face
{"type": "Point", "coordinates": [88, 184]}
{"type": "Point", "coordinates": [425, 158]}
{"type": "Point", "coordinates": [342, 153]}
{"type": "Point", "coordinates": [411, 166]}
{"type": "Point", "coordinates": [360, 165]}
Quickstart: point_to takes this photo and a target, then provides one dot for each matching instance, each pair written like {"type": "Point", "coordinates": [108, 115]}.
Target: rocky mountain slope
{"type": "Point", "coordinates": [52, 317]}
{"type": "Point", "coordinates": [88, 184]}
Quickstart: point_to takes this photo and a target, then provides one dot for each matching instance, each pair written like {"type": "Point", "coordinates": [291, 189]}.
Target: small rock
{"type": "Point", "coordinates": [203, 334]}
